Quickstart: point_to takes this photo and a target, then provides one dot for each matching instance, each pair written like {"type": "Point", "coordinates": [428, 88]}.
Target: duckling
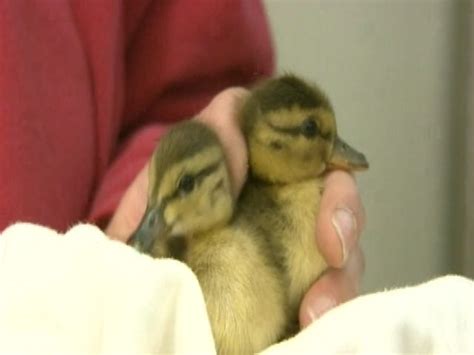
{"type": "Point", "coordinates": [190, 216]}
{"type": "Point", "coordinates": [291, 134]}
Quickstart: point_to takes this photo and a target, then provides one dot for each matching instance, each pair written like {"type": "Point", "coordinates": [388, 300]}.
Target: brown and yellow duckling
{"type": "Point", "coordinates": [189, 217]}
{"type": "Point", "coordinates": [291, 134]}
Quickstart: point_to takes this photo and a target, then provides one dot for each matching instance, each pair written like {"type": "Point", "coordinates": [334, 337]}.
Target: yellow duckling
{"type": "Point", "coordinates": [292, 139]}
{"type": "Point", "coordinates": [188, 217]}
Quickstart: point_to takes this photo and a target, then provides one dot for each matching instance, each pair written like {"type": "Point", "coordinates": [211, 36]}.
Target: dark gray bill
{"type": "Point", "coordinates": [347, 158]}
{"type": "Point", "coordinates": [152, 227]}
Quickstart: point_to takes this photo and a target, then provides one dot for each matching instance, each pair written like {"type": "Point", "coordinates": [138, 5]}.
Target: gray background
{"type": "Point", "coordinates": [396, 72]}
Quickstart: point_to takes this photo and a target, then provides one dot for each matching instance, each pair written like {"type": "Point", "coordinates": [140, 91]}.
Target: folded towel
{"type": "Point", "coordinates": [436, 317]}
{"type": "Point", "coordinates": [83, 293]}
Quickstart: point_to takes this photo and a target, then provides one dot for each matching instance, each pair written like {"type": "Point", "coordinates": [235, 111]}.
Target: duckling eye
{"type": "Point", "coordinates": [186, 184]}
{"type": "Point", "coordinates": [309, 128]}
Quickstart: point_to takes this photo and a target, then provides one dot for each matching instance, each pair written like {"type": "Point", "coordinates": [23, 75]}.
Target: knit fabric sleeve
{"type": "Point", "coordinates": [179, 54]}
{"type": "Point", "coordinates": [87, 88]}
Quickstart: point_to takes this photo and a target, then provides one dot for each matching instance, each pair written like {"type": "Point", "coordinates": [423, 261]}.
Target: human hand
{"type": "Point", "coordinates": [345, 258]}
{"type": "Point", "coordinates": [340, 222]}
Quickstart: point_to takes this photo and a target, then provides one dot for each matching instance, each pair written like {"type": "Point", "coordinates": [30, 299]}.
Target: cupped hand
{"type": "Point", "coordinates": [339, 224]}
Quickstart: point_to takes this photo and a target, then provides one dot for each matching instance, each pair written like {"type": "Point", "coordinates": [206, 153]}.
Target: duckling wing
{"type": "Point", "coordinates": [243, 292]}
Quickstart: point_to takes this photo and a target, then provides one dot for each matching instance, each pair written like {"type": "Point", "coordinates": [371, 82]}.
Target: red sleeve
{"type": "Point", "coordinates": [87, 89]}
{"type": "Point", "coordinates": [49, 151]}
{"type": "Point", "coordinates": [180, 54]}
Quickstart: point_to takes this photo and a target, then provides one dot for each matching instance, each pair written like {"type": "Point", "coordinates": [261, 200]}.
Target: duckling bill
{"type": "Point", "coordinates": [151, 227]}
{"type": "Point", "coordinates": [346, 158]}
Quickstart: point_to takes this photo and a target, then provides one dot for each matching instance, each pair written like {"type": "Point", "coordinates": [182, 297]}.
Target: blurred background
{"type": "Point", "coordinates": [398, 73]}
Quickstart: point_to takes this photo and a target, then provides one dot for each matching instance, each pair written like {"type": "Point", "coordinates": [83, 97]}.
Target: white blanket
{"type": "Point", "coordinates": [82, 293]}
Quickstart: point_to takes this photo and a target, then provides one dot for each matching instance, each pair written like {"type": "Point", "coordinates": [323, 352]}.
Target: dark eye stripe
{"type": "Point", "coordinates": [208, 170]}
{"type": "Point", "coordinates": [219, 185]}
{"type": "Point", "coordinates": [212, 196]}
{"type": "Point", "coordinates": [325, 135]}
{"type": "Point", "coordinates": [296, 131]}
{"type": "Point", "coordinates": [199, 176]}
{"type": "Point", "coordinates": [293, 131]}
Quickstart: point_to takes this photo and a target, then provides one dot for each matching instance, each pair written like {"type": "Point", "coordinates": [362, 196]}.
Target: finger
{"type": "Point", "coordinates": [130, 209]}
{"type": "Point", "coordinates": [221, 115]}
{"type": "Point", "coordinates": [341, 218]}
{"type": "Point", "coordinates": [334, 287]}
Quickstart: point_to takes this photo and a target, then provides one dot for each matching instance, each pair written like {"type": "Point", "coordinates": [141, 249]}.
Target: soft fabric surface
{"type": "Point", "coordinates": [83, 293]}
{"type": "Point", "coordinates": [436, 317]}
{"type": "Point", "coordinates": [86, 294]}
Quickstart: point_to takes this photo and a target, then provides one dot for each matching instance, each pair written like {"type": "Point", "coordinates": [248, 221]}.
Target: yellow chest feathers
{"type": "Point", "coordinates": [303, 263]}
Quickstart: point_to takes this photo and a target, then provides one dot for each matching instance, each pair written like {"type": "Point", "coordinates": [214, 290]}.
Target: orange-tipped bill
{"type": "Point", "coordinates": [347, 158]}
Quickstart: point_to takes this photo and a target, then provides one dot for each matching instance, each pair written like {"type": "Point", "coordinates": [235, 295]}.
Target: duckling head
{"type": "Point", "coordinates": [291, 132]}
{"type": "Point", "coordinates": [189, 186]}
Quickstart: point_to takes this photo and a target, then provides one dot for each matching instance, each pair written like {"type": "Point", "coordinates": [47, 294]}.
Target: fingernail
{"type": "Point", "coordinates": [320, 306]}
{"type": "Point", "coordinates": [344, 222]}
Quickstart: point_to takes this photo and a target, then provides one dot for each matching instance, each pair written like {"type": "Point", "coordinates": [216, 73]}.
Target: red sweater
{"type": "Point", "coordinates": [87, 88]}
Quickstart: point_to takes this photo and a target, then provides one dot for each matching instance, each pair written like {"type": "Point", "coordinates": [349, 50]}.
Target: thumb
{"type": "Point", "coordinates": [130, 209]}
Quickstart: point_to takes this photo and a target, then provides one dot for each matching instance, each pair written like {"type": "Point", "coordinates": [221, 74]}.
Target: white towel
{"type": "Point", "coordinates": [436, 317]}
{"type": "Point", "coordinates": [83, 293]}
